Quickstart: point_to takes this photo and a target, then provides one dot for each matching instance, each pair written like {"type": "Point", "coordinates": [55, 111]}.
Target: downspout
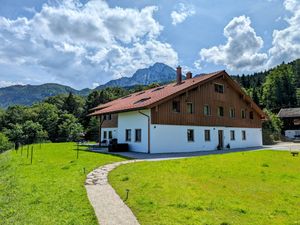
{"type": "Point", "coordinates": [101, 122]}
{"type": "Point", "coordinates": [148, 117]}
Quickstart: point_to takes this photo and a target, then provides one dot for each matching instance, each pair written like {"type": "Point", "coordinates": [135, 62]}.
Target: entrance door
{"type": "Point", "coordinates": [221, 138]}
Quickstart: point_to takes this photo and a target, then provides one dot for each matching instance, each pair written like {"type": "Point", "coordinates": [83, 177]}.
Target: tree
{"type": "Point", "coordinates": [15, 134]}
{"type": "Point", "coordinates": [271, 127]}
{"type": "Point", "coordinates": [33, 132]}
{"type": "Point", "coordinates": [16, 114]}
{"type": "Point", "coordinates": [47, 115]}
{"type": "Point", "coordinates": [5, 144]}
{"type": "Point", "coordinates": [73, 105]}
{"type": "Point", "coordinates": [279, 90]}
{"type": "Point", "coordinates": [69, 129]}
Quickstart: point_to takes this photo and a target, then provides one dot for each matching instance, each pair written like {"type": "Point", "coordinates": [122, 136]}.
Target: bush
{"type": "Point", "coordinates": [271, 128]}
{"type": "Point", "coordinates": [5, 144]}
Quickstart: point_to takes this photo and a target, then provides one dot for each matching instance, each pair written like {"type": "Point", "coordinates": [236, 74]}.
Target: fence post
{"type": "Point", "coordinates": [77, 150]}
{"type": "Point", "coordinates": [31, 154]}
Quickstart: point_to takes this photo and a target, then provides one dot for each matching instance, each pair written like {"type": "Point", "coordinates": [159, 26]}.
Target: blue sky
{"type": "Point", "coordinates": [87, 43]}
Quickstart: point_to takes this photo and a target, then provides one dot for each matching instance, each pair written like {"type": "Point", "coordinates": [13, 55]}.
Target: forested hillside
{"type": "Point", "coordinates": [276, 88]}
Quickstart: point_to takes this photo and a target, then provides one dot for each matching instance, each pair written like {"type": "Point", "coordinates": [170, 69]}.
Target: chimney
{"type": "Point", "coordinates": [189, 75]}
{"type": "Point", "coordinates": [179, 75]}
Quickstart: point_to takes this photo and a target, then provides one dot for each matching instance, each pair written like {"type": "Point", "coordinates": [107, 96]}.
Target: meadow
{"type": "Point", "coordinates": [260, 187]}
{"type": "Point", "coordinates": [51, 189]}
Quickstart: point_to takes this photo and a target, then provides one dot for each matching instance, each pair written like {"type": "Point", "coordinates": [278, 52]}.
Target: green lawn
{"type": "Point", "coordinates": [261, 187]}
{"type": "Point", "coordinates": [51, 190]}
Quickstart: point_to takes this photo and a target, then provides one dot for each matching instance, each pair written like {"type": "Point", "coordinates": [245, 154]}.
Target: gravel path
{"type": "Point", "coordinates": [109, 207]}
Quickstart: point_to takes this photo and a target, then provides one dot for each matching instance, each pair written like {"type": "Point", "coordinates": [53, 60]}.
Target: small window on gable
{"type": "Point", "coordinates": [251, 116]}
{"type": "Point", "coordinates": [206, 110]}
{"type": "Point", "coordinates": [232, 113]}
{"type": "Point", "coordinates": [190, 108]}
{"type": "Point", "coordinates": [107, 117]}
{"type": "Point", "coordinates": [221, 111]}
{"type": "Point", "coordinates": [190, 135]}
{"type": "Point", "coordinates": [243, 114]}
{"type": "Point", "coordinates": [207, 135]}
{"type": "Point", "coordinates": [176, 106]}
{"type": "Point", "coordinates": [219, 88]}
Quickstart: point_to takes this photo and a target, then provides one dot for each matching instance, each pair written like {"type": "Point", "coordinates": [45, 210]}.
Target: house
{"type": "Point", "coordinates": [291, 122]}
{"type": "Point", "coordinates": [197, 114]}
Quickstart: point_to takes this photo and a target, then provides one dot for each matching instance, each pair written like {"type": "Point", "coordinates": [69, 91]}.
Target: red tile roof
{"type": "Point", "coordinates": [148, 98]}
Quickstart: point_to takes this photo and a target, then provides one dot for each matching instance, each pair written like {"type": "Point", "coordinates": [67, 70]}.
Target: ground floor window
{"type": "Point", "coordinates": [232, 135]}
{"type": "Point", "coordinates": [104, 135]}
{"type": "Point", "coordinates": [110, 134]}
{"type": "Point", "coordinates": [243, 135]}
{"type": "Point", "coordinates": [128, 134]}
{"type": "Point", "coordinates": [207, 135]}
{"type": "Point", "coordinates": [138, 135]}
{"type": "Point", "coordinates": [190, 135]}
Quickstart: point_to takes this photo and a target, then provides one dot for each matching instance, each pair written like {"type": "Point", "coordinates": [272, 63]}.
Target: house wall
{"type": "Point", "coordinates": [114, 133]}
{"type": "Point", "coordinates": [111, 123]}
{"type": "Point", "coordinates": [206, 95]}
{"type": "Point", "coordinates": [134, 120]}
{"type": "Point", "coordinates": [173, 138]}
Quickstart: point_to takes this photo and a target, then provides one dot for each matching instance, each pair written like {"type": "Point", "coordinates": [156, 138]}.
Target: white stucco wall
{"type": "Point", "coordinates": [291, 133]}
{"type": "Point", "coordinates": [173, 138]}
{"type": "Point", "coordinates": [134, 120]}
{"type": "Point", "coordinates": [114, 133]}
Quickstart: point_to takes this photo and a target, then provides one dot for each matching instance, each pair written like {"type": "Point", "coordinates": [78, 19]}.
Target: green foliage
{"type": "Point", "coordinates": [5, 144]}
{"type": "Point", "coordinates": [271, 128]}
{"type": "Point", "coordinates": [259, 187]}
{"type": "Point", "coordinates": [69, 129]}
{"type": "Point", "coordinates": [279, 90]}
{"type": "Point", "coordinates": [33, 132]}
{"type": "Point", "coordinates": [51, 190]}
{"type": "Point", "coordinates": [15, 133]}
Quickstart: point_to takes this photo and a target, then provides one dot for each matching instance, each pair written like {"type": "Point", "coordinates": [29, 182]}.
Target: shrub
{"type": "Point", "coordinates": [5, 144]}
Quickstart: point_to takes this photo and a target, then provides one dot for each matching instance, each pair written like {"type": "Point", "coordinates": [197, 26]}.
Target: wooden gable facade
{"type": "Point", "coordinates": [192, 110]}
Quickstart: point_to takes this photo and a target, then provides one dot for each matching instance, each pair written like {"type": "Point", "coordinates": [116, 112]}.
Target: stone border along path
{"type": "Point", "coordinates": [109, 207]}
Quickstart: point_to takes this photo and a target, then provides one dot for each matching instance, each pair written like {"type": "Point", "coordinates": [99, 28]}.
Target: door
{"type": "Point", "coordinates": [221, 138]}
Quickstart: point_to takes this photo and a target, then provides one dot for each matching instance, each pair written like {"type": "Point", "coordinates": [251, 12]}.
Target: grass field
{"type": "Point", "coordinates": [51, 190]}
{"type": "Point", "coordinates": [260, 187]}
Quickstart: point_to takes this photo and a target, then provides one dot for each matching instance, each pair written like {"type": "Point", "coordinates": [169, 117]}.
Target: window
{"type": "Point", "coordinates": [190, 135]}
{"type": "Point", "coordinates": [251, 116]}
{"type": "Point", "coordinates": [176, 106]}
{"type": "Point", "coordinates": [138, 135]}
{"type": "Point", "coordinates": [243, 135]}
{"type": "Point", "coordinates": [142, 100]}
{"type": "Point", "coordinates": [128, 135]}
{"type": "Point", "coordinates": [207, 135]}
{"type": "Point", "coordinates": [243, 114]}
{"type": "Point", "coordinates": [109, 134]}
{"type": "Point", "coordinates": [232, 113]}
{"type": "Point", "coordinates": [232, 135]}
{"type": "Point", "coordinates": [220, 111]}
{"type": "Point", "coordinates": [107, 117]}
{"type": "Point", "coordinates": [190, 108]}
{"type": "Point", "coordinates": [207, 111]}
{"type": "Point", "coordinates": [219, 88]}
{"type": "Point", "coordinates": [104, 135]}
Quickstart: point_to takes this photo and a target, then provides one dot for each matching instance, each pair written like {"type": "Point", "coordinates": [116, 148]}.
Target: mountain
{"type": "Point", "coordinates": [29, 94]}
{"type": "Point", "coordinates": [158, 73]}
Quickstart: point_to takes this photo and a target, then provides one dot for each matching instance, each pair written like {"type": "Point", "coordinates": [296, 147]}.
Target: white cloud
{"type": "Point", "coordinates": [286, 42]}
{"type": "Point", "coordinates": [181, 13]}
{"type": "Point", "coordinates": [81, 44]}
{"type": "Point", "coordinates": [242, 50]}
{"type": "Point", "coordinates": [8, 83]}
